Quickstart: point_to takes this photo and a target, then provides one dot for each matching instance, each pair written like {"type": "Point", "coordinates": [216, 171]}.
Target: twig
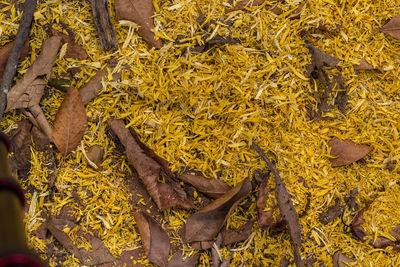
{"type": "Point", "coordinates": [286, 207]}
{"type": "Point", "coordinates": [15, 54]}
{"type": "Point", "coordinates": [104, 26]}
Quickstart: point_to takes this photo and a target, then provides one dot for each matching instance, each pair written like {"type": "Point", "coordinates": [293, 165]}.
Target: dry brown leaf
{"type": "Point", "coordinates": [154, 239]}
{"type": "Point", "coordinates": [392, 28]}
{"type": "Point", "coordinates": [21, 142]}
{"type": "Point", "coordinates": [95, 154]}
{"type": "Point", "coordinates": [150, 167]}
{"type": "Point", "coordinates": [332, 213]}
{"type": "Point", "coordinates": [341, 260]}
{"type": "Point", "coordinates": [346, 151]}
{"type": "Point", "coordinates": [295, 14]}
{"type": "Point", "coordinates": [286, 208]}
{"type": "Point", "coordinates": [141, 12]}
{"type": "Point", "coordinates": [364, 65]}
{"type": "Point", "coordinates": [379, 241]}
{"type": "Point", "coordinates": [90, 89]}
{"type": "Point", "coordinates": [70, 123]}
{"type": "Point", "coordinates": [230, 236]}
{"type": "Point", "coordinates": [5, 52]}
{"type": "Point", "coordinates": [211, 187]}
{"type": "Point", "coordinates": [265, 218]}
{"type": "Point", "coordinates": [178, 260]}
{"type": "Point", "coordinates": [29, 89]}
{"type": "Point", "coordinates": [74, 50]}
{"type": "Point", "coordinates": [126, 258]}
{"type": "Point", "coordinates": [206, 223]}
{"type": "Point", "coordinates": [97, 255]}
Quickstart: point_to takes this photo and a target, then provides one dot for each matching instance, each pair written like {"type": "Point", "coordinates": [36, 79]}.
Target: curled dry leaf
{"type": "Point", "coordinates": [379, 241]}
{"type": "Point", "coordinates": [5, 52]}
{"type": "Point", "coordinates": [206, 223]}
{"type": "Point", "coordinates": [29, 89]}
{"type": "Point", "coordinates": [154, 239]}
{"type": "Point", "coordinates": [74, 50]}
{"type": "Point", "coordinates": [392, 28]}
{"type": "Point", "coordinates": [211, 187]}
{"type": "Point", "coordinates": [98, 253]}
{"type": "Point", "coordinates": [141, 12]}
{"type": "Point", "coordinates": [150, 167]}
{"type": "Point", "coordinates": [70, 123]}
{"type": "Point", "coordinates": [346, 151]}
{"type": "Point", "coordinates": [91, 89]}
{"type": "Point", "coordinates": [178, 260]}
{"type": "Point", "coordinates": [341, 260]}
{"type": "Point", "coordinates": [286, 207]}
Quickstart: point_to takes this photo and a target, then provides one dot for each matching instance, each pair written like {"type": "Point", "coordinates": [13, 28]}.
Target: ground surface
{"type": "Point", "coordinates": [200, 110]}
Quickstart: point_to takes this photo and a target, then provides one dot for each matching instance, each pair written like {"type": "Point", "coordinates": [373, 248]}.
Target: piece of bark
{"type": "Point", "coordinates": [211, 187]}
{"type": "Point", "coordinates": [16, 51]}
{"type": "Point", "coordinates": [178, 260]}
{"type": "Point", "coordinates": [5, 53]}
{"type": "Point", "coordinates": [392, 28]}
{"type": "Point", "coordinates": [230, 236]}
{"type": "Point", "coordinates": [91, 88]}
{"type": "Point", "coordinates": [154, 239]}
{"type": "Point", "coordinates": [207, 222]}
{"type": "Point", "coordinates": [98, 254]}
{"type": "Point", "coordinates": [341, 260]}
{"type": "Point", "coordinates": [141, 12]}
{"type": "Point", "coordinates": [74, 50]}
{"type": "Point", "coordinates": [70, 122]}
{"type": "Point", "coordinates": [286, 207]}
{"type": "Point", "coordinates": [346, 151]}
{"type": "Point", "coordinates": [165, 195]}
{"type": "Point", "coordinates": [332, 213]}
{"type": "Point", "coordinates": [102, 22]}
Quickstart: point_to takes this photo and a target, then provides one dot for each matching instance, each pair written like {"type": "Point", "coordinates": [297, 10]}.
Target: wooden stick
{"type": "Point", "coordinates": [286, 207]}
{"type": "Point", "coordinates": [15, 54]}
{"type": "Point", "coordinates": [104, 26]}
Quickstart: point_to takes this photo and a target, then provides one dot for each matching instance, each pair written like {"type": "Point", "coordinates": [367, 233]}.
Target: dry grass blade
{"type": "Point", "coordinates": [286, 207]}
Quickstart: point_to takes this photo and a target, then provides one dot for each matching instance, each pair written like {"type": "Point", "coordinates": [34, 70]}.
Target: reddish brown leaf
{"type": "Point", "coordinates": [154, 239]}
{"type": "Point", "coordinates": [211, 187]}
{"type": "Point", "coordinates": [295, 14]}
{"type": "Point", "coordinates": [392, 28]}
{"type": "Point", "coordinates": [149, 168]}
{"type": "Point", "coordinates": [5, 52]}
{"type": "Point", "coordinates": [346, 151]}
{"type": "Point", "coordinates": [341, 260]}
{"type": "Point", "coordinates": [236, 235]}
{"type": "Point", "coordinates": [70, 123]}
{"type": "Point", "coordinates": [97, 255]}
{"type": "Point", "coordinates": [74, 50]}
{"type": "Point", "coordinates": [206, 223]}
{"type": "Point", "coordinates": [141, 12]}
{"type": "Point", "coordinates": [21, 142]}
{"type": "Point", "coordinates": [178, 260]}
{"type": "Point", "coordinates": [364, 65]}
{"type": "Point", "coordinates": [264, 218]}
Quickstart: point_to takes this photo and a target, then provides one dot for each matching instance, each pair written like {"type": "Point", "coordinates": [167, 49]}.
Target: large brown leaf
{"type": "Point", "coordinates": [150, 167]}
{"type": "Point", "coordinates": [140, 12]}
{"type": "Point", "coordinates": [74, 50]}
{"type": "Point", "coordinates": [5, 52]}
{"type": "Point", "coordinates": [29, 89]}
{"type": "Point", "coordinates": [178, 260]}
{"type": "Point", "coordinates": [211, 187]}
{"type": "Point", "coordinates": [346, 151]}
{"type": "Point", "coordinates": [154, 239]}
{"type": "Point", "coordinates": [98, 254]}
{"type": "Point", "coordinates": [392, 28]}
{"type": "Point", "coordinates": [70, 123]}
{"type": "Point", "coordinates": [206, 223]}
